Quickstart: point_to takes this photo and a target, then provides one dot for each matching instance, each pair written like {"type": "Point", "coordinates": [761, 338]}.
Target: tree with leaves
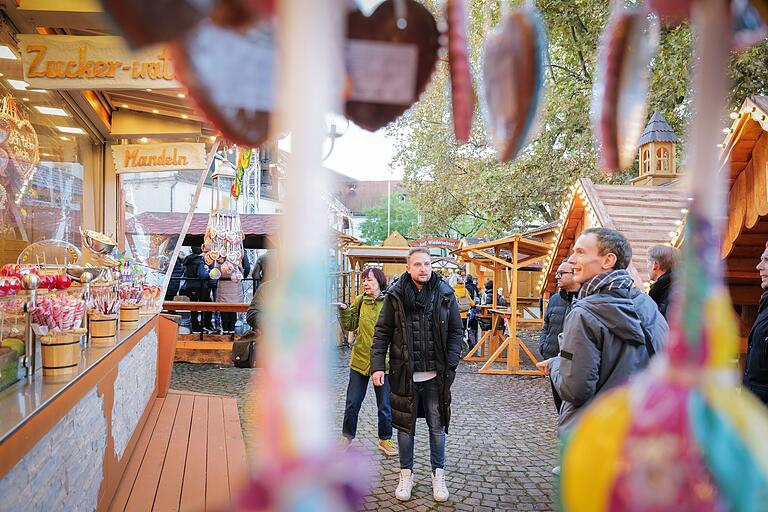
{"type": "Point", "coordinates": [465, 185]}
{"type": "Point", "coordinates": [402, 217]}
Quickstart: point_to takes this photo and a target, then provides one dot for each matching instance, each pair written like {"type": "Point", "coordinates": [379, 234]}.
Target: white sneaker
{"type": "Point", "coordinates": [403, 492]}
{"type": "Point", "coordinates": [556, 470]}
{"type": "Point", "coordinates": [439, 489]}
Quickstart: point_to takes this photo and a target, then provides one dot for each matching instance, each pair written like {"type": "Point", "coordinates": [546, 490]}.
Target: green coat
{"type": "Point", "coordinates": [361, 316]}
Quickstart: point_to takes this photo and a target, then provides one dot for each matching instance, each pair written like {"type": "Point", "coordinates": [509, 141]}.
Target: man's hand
{"type": "Point", "coordinates": [544, 365]}
{"type": "Point", "coordinates": [378, 379]}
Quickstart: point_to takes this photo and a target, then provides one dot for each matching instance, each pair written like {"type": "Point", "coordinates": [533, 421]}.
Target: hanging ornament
{"type": "Point", "coordinates": [215, 273]}
{"type": "Point", "coordinates": [244, 163]}
{"type": "Point", "coordinates": [619, 98]}
{"type": "Point", "coordinates": [391, 56]}
{"type": "Point", "coordinates": [462, 93]}
{"type": "Point", "coordinates": [230, 76]}
{"type": "Point", "coordinates": [513, 78]}
{"type": "Point", "coordinates": [223, 236]}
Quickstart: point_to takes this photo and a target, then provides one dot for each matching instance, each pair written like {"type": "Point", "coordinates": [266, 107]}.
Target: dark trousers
{"type": "Point", "coordinates": [196, 295]}
{"type": "Point", "coordinates": [228, 321]}
{"type": "Point", "coordinates": [556, 396]}
{"type": "Point", "coordinates": [356, 389]}
{"type": "Point", "coordinates": [428, 393]}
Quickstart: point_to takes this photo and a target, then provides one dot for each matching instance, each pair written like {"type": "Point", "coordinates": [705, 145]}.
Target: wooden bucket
{"type": "Point", "coordinates": [61, 354]}
{"type": "Point", "coordinates": [103, 329]}
{"type": "Point", "coordinates": [129, 316]}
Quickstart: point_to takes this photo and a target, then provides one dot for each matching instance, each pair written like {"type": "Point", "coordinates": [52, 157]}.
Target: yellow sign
{"type": "Point", "coordinates": [93, 62]}
{"type": "Point", "coordinates": [158, 157]}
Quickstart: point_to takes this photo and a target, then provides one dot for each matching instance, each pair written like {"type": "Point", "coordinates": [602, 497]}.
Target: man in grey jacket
{"type": "Point", "coordinates": [612, 330]}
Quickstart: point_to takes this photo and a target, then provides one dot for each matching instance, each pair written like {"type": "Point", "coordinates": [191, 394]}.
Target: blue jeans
{"type": "Point", "coordinates": [358, 385]}
{"type": "Point", "coordinates": [428, 393]}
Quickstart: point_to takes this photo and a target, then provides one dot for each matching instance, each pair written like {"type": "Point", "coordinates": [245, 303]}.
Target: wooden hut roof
{"type": "Point", "coordinates": [647, 216]}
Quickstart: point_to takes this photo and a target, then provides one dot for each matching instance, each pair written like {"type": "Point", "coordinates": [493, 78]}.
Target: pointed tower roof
{"type": "Point", "coordinates": [657, 130]}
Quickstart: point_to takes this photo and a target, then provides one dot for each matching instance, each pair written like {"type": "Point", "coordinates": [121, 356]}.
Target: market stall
{"type": "Point", "coordinates": [504, 257]}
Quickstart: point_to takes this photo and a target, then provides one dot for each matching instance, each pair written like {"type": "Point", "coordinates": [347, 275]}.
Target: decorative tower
{"type": "Point", "coordinates": [658, 164]}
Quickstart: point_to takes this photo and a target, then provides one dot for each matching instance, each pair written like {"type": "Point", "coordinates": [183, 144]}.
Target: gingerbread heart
{"type": "Point", "coordinates": [230, 76]}
{"type": "Point", "coordinates": [390, 60]}
{"type": "Point", "coordinates": [144, 22]}
{"type": "Point", "coordinates": [513, 76]}
{"type": "Point", "coordinates": [22, 146]}
{"type": "Point", "coordinates": [619, 98]}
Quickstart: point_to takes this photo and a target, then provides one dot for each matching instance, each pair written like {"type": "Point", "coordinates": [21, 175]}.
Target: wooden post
{"type": "Point", "coordinates": [513, 355]}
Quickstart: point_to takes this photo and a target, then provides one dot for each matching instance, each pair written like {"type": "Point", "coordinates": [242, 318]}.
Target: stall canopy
{"type": "Point", "coordinates": [508, 255]}
{"type": "Point", "coordinates": [258, 228]}
{"type": "Point", "coordinates": [364, 254]}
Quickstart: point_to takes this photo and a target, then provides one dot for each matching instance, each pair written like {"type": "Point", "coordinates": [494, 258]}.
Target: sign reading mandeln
{"type": "Point", "coordinates": [178, 156]}
{"type": "Point", "coordinates": [93, 62]}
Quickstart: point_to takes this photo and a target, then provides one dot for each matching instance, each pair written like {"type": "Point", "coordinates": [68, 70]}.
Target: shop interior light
{"type": "Point", "coordinates": [25, 99]}
{"type": "Point", "coordinates": [155, 111]}
{"type": "Point", "coordinates": [144, 140]}
{"type": "Point", "coordinates": [52, 111]}
{"type": "Point", "coordinates": [124, 105]}
{"type": "Point", "coordinates": [184, 116]}
{"type": "Point", "coordinates": [7, 53]}
{"type": "Point", "coordinates": [64, 138]}
{"type": "Point", "coordinates": [19, 85]}
{"type": "Point", "coordinates": [70, 129]}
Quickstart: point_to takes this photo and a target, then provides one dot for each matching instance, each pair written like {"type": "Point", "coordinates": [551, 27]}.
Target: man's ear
{"type": "Point", "coordinates": [609, 261]}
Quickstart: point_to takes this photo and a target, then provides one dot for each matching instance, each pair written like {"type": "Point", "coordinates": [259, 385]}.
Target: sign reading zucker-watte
{"type": "Point", "coordinates": [158, 157]}
{"type": "Point", "coordinates": [93, 62]}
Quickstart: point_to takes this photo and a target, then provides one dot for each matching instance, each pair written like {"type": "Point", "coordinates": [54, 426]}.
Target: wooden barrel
{"type": "Point", "coordinates": [61, 354]}
{"type": "Point", "coordinates": [103, 329]}
{"type": "Point", "coordinates": [129, 316]}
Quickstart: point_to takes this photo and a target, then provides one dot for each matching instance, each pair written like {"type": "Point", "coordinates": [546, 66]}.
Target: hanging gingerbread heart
{"type": "Point", "coordinates": [230, 76]}
{"type": "Point", "coordinates": [462, 94]}
{"type": "Point", "coordinates": [513, 76]}
{"type": "Point", "coordinates": [390, 56]}
{"type": "Point", "coordinates": [619, 99]}
{"type": "Point", "coordinates": [144, 22]}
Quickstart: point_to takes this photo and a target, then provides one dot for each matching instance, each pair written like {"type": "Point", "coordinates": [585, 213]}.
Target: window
{"type": "Point", "coordinates": [662, 160]}
{"type": "Point", "coordinates": [646, 166]}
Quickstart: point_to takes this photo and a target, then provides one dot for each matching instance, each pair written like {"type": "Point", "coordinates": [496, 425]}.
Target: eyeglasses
{"type": "Point", "coordinates": [558, 275]}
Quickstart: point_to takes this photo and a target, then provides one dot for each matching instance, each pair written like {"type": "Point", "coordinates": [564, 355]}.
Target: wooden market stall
{"type": "Point", "coordinates": [505, 257]}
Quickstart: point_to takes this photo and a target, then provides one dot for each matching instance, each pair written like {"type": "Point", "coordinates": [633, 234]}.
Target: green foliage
{"type": "Point", "coordinates": [466, 186]}
{"type": "Point", "coordinates": [402, 218]}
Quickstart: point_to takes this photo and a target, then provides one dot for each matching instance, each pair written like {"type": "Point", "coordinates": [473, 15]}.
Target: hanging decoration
{"type": "Point", "coordinates": [682, 435]}
{"type": "Point", "coordinates": [223, 240]}
{"type": "Point", "coordinates": [18, 142]}
{"type": "Point", "coordinates": [513, 78]}
{"type": "Point", "coordinates": [3, 197]}
{"type": "Point", "coordinates": [390, 58]}
{"type": "Point", "coordinates": [245, 159]}
{"type": "Point", "coordinates": [619, 97]}
{"type": "Point", "coordinates": [238, 105]}
{"type": "Point", "coordinates": [462, 93]}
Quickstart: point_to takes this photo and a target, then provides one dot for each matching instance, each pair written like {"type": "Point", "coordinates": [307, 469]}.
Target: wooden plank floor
{"type": "Point", "coordinates": [190, 456]}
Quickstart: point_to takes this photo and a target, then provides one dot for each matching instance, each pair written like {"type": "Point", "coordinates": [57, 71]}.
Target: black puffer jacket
{"type": "Point", "coordinates": [557, 309]}
{"type": "Point", "coordinates": [756, 369]}
{"type": "Point", "coordinates": [394, 332]}
{"type": "Point", "coordinates": [660, 291]}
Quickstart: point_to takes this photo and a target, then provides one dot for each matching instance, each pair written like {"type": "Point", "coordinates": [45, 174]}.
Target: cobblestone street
{"type": "Point", "coordinates": [500, 449]}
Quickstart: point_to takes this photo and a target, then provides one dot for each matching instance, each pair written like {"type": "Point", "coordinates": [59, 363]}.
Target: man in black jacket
{"type": "Point", "coordinates": [662, 260]}
{"type": "Point", "coordinates": [421, 328]}
{"type": "Point", "coordinates": [756, 368]}
{"type": "Point", "coordinates": [557, 309]}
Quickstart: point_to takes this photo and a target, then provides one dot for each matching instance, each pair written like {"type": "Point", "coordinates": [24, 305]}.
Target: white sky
{"type": "Point", "coordinates": [360, 154]}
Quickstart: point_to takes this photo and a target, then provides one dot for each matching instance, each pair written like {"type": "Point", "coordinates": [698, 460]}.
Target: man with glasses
{"type": "Point", "coordinates": [756, 367]}
{"type": "Point", "coordinates": [558, 307]}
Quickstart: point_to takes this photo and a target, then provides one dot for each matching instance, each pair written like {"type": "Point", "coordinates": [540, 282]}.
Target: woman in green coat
{"type": "Point", "coordinates": [362, 316]}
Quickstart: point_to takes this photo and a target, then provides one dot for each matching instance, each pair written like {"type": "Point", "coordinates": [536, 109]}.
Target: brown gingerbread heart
{"type": "Point", "coordinates": [22, 146]}
{"type": "Point", "coordinates": [390, 60]}
{"type": "Point", "coordinates": [230, 76]}
{"type": "Point", "coordinates": [144, 22]}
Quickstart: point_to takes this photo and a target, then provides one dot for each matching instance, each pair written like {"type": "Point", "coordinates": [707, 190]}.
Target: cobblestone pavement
{"type": "Point", "coordinates": [499, 452]}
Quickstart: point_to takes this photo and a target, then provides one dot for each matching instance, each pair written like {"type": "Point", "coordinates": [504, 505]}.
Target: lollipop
{"type": "Point", "coordinates": [619, 101]}
{"type": "Point", "coordinates": [513, 73]}
{"type": "Point", "coordinates": [681, 435]}
{"type": "Point", "coordinates": [215, 273]}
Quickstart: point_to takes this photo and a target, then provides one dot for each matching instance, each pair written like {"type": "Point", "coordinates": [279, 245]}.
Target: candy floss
{"type": "Point", "coordinates": [682, 436]}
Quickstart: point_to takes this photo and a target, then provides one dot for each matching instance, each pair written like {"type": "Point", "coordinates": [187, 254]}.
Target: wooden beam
{"type": "Point", "coordinates": [73, 14]}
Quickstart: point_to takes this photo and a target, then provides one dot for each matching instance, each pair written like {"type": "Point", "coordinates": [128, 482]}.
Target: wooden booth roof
{"type": "Point", "coordinates": [647, 216]}
{"type": "Point", "coordinates": [499, 254]}
{"type": "Point", "coordinates": [744, 159]}
{"type": "Point", "coordinates": [365, 254]}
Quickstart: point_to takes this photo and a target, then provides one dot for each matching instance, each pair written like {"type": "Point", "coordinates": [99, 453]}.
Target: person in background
{"type": "Point", "coordinates": [420, 328]}
{"type": "Point", "coordinates": [756, 367]}
{"type": "Point", "coordinates": [361, 316]}
{"type": "Point", "coordinates": [472, 316]}
{"type": "Point", "coordinates": [558, 307]}
{"type": "Point", "coordinates": [254, 315]}
{"type": "Point", "coordinates": [472, 288]}
{"type": "Point", "coordinates": [230, 292]}
{"type": "Point", "coordinates": [177, 274]}
{"type": "Point", "coordinates": [465, 302]}
{"type": "Point", "coordinates": [208, 316]}
{"type": "Point", "coordinates": [196, 285]}
{"type": "Point", "coordinates": [662, 260]}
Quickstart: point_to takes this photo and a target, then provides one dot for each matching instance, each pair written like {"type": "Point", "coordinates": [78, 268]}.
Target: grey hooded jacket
{"type": "Point", "coordinates": [603, 343]}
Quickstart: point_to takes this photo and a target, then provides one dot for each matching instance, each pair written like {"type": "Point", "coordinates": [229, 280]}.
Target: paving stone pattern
{"type": "Point", "coordinates": [500, 449]}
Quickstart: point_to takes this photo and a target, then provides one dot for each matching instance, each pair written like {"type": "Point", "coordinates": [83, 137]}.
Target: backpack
{"type": "Point", "coordinates": [464, 303]}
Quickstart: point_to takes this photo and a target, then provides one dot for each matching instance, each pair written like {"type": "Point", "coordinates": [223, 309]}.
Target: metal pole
{"type": "Point", "coordinates": [389, 207]}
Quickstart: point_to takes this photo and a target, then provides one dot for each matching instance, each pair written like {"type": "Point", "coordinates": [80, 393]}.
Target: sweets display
{"type": "Point", "coordinates": [104, 300]}
{"type": "Point", "coordinates": [58, 312]}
